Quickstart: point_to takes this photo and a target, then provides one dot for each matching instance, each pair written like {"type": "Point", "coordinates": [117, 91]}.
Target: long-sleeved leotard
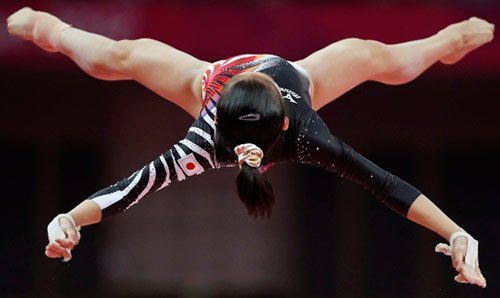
{"type": "Point", "coordinates": [191, 156]}
{"type": "Point", "coordinates": [307, 141]}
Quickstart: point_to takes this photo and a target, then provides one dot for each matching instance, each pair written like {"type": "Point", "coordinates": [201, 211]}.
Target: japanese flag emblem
{"type": "Point", "coordinates": [190, 165]}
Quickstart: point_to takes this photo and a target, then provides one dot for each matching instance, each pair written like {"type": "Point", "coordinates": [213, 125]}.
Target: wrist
{"type": "Point", "coordinates": [70, 218]}
{"type": "Point", "coordinates": [54, 229]}
{"type": "Point", "coordinates": [86, 213]}
{"type": "Point", "coordinates": [451, 233]}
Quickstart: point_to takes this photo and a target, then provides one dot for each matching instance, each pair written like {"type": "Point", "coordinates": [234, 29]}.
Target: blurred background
{"type": "Point", "coordinates": [65, 135]}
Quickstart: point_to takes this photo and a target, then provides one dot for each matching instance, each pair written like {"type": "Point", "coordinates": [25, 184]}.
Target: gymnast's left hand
{"type": "Point", "coordinates": [466, 272]}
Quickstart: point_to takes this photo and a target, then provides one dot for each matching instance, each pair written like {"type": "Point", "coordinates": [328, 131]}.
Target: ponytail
{"type": "Point", "coordinates": [255, 191]}
{"type": "Point", "coordinates": [250, 117]}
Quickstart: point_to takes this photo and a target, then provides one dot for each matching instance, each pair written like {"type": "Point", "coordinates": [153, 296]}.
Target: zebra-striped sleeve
{"type": "Point", "coordinates": [191, 156]}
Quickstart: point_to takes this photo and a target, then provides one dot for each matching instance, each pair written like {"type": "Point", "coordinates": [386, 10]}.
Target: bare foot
{"type": "Point", "coordinates": [470, 35]}
{"type": "Point", "coordinates": [40, 27]}
{"type": "Point", "coordinates": [20, 23]}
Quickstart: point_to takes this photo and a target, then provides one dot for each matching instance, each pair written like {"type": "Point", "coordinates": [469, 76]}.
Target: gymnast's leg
{"type": "Point", "coordinates": [343, 65]}
{"type": "Point", "coordinates": [172, 74]}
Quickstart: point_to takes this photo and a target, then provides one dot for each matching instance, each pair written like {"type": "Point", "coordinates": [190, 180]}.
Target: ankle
{"type": "Point", "coordinates": [454, 39]}
{"type": "Point", "coordinates": [46, 31]}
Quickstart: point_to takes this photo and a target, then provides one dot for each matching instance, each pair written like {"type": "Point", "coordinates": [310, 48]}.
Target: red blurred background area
{"type": "Point", "coordinates": [65, 135]}
{"type": "Point", "coordinates": [293, 29]}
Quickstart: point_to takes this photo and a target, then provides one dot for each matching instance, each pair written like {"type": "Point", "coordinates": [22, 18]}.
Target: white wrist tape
{"type": "Point", "coordinates": [55, 232]}
{"type": "Point", "coordinates": [472, 249]}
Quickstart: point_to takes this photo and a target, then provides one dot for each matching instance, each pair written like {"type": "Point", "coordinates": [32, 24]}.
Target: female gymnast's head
{"type": "Point", "coordinates": [251, 119]}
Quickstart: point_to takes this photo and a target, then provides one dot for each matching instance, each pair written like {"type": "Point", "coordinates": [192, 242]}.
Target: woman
{"type": "Point", "coordinates": [257, 110]}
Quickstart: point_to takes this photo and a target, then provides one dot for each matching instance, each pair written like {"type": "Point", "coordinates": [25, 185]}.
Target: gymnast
{"type": "Point", "coordinates": [254, 111]}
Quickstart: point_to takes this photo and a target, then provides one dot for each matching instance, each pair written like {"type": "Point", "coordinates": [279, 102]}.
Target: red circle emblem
{"type": "Point", "coordinates": [190, 166]}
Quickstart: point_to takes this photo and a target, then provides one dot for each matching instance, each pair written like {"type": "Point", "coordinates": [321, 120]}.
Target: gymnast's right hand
{"type": "Point", "coordinates": [64, 235]}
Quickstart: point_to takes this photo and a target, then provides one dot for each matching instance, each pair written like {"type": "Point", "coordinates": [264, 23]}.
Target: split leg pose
{"type": "Point", "coordinates": [172, 74]}
{"type": "Point", "coordinates": [177, 77]}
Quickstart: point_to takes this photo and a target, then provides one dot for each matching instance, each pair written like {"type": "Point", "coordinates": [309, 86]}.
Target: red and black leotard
{"type": "Point", "coordinates": [307, 141]}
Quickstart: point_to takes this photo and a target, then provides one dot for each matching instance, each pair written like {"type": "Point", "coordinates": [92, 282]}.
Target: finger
{"type": "Point", "coordinates": [473, 276]}
{"type": "Point", "coordinates": [66, 255]}
{"type": "Point", "coordinates": [481, 278]}
{"type": "Point", "coordinates": [457, 258]}
{"type": "Point", "coordinates": [69, 230]}
{"type": "Point", "coordinates": [461, 279]}
{"type": "Point", "coordinates": [459, 249]}
{"type": "Point", "coordinates": [479, 274]}
{"type": "Point", "coordinates": [478, 282]}
{"type": "Point", "coordinates": [468, 275]}
{"type": "Point", "coordinates": [443, 248]}
{"type": "Point", "coordinates": [65, 243]}
{"type": "Point", "coordinates": [60, 251]}
{"type": "Point", "coordinates": [53, 252]}
{"type": "Point", "coordinates": [56, 247]}
{"type": "Point", "coordinates": [49, 252]}
{"type": "Point", "coordinates": [65, 252]}
{"type": "Point", "coordinates": [72, 235]}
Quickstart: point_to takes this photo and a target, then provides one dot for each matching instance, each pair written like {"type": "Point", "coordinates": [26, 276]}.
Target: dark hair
{"type": "Point", "coordinates": [250, 110]}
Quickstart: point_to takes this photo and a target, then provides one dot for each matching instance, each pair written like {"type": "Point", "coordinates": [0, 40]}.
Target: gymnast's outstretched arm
{"type": "Point", "coordinates": [424, 212]}
{"type": "Point", "coordinates": [321, 149]}
{"type": "Point", "coordinates": [192, 155]}
{"type": "Point", "coordinates": [345, 64]}
{"type": "Point", "coordinates": [174, 75]}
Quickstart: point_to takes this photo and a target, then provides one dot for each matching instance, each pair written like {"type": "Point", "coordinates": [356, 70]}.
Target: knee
{"type": "Point", "coordinates": [365, 49]}
{"type": "Point", "coordinates": [379, 56]}
{"type": "Point", "coordinates": [113, 60]}
{"type": "Point", "coordinates": [119, 53]}
{"type": "Point", "coordinates": [371, 54]}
